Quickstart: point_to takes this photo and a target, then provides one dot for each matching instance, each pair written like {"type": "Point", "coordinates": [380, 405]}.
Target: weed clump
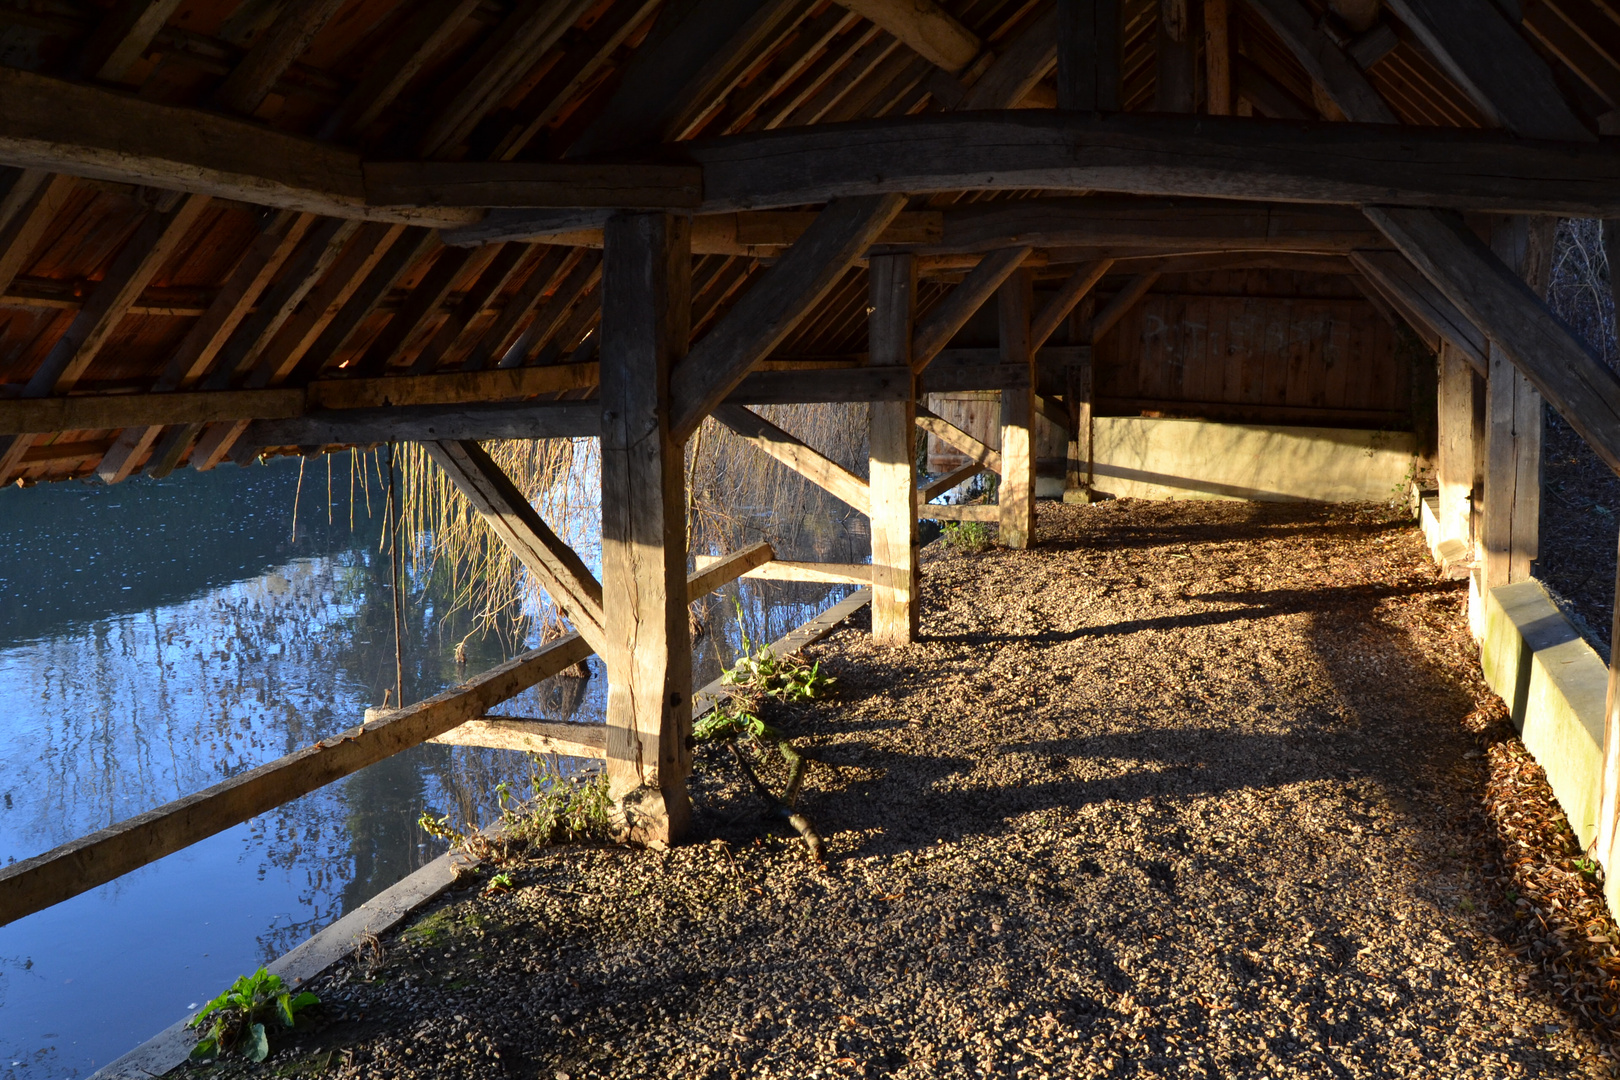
{"type": "Point", "coordinates": [968, 537]}
{"type": "Point", "coordinates": [558, 810]}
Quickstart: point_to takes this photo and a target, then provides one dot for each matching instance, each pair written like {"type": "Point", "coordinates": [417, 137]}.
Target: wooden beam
{"type": "Point", "coordinates": [774, 305]}
{"type": "Point", "coordinates": [646, 308]}
{"type": "Point", "coordinates": [1422, 303]}
{"type": "Point", "coordinates": [1580, 386]}
{"type": "Point", "coordinates": [1088, 55]}
{"type": "Point", "coordinates": [453, 338]}
{"type": "Point", "coordinates": [121, 38]}
{"type": "Point", "coordinates": [958, 440]}
{"type": "Point", "coordinates": [939, 486]}
{"type": "Point", "coordinates": [1122, 302]}
{"type": "Point", "coordinates": [418, 309]}
{"type": "Point", "coordinates": [530, 184]}
{"type": "Point", "coordinates": [1016, 495]}
{"type": "Point", "coordinates": [790, 451]}
{"type": "Point", "coordinates": [1074, 289]}
{"type": "Point", "coordinates": [66, 871]}
{"type": "Point", "coordinates": [931, 31]}
{"type": "Point", "coordinates": [892, 468]}
{"type": "Point", "coordinates": [1020, 66]}
{"type": "Point", "coordinates": [425, 423]}
{"type": "Point", "coordinates": [1325, 62]}
{"type": "Point", "coordinates": [508, 513]}
{"type": "Point", "coordinates": [529, 736]}
{"type": "Point", "coordinates": [935, 330]}
{"type": "Point", "coordinates": [88, 131]}
{"type": "Point", "coordinates": [822, 573]}
{"type": "Point", "coordinates": [1175, 85]}
{"type": "Point", "coordinates": [272, 53]}
{"type": "Point", "coordinates": [1080, 397]}
{"type": "Point", "coordinates": [1501, 73]}
{"type": "Point", "coordinates": [990, 514]}
{"type": "Point", "coordinates": [1203, 156]}
{"type": "Point", "coordinates": [1148, 224]}
{"type": "Point", "coordinates": [715, 572]}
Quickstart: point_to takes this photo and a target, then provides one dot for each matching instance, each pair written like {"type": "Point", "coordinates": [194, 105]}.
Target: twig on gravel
{"type": "Point", "coordinates": [783, 809]}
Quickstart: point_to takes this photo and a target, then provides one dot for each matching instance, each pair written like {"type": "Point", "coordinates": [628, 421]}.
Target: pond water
{"type": "Point", "coordinates": [160, 636]}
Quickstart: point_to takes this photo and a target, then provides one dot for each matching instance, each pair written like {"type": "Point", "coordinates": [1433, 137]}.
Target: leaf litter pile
{"type": "Point", "coordinates": [1188, 790]}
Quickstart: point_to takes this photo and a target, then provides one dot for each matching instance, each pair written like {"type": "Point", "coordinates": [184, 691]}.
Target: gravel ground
{"type": "Point", "coordinates": [1192, 789]}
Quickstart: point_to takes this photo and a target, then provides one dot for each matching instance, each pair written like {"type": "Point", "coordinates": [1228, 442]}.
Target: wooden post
{"type": "Point", "coordinates": [892, 479]}
{"type": "Point", "coordinates": [646, 310]}
{"type": "Point", "coordinates": [1217, 58]}
{"type": "Point", "coordinates": [1015, 300]}
{"type": "Point", "coordinates": [1088, 55]}
{"type": "Point", "coordinates": [1077, 477]}
{"type": "Point", "coordinates": [1176, 84]}
{"type": "Point", "coordinates": [1511, 522]}
{"type": "Point", "coordinates": [1455, 465]}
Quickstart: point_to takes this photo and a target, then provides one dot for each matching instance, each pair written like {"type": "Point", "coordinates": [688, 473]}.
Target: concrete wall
{"type": "Point", "coordinates": [1151, 458]}
{"type": "Point", "coordinates": [1554, 685]}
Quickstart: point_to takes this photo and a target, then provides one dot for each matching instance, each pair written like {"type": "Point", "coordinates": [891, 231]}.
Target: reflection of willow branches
{"type": "Point", "coordinates": [736, 495]}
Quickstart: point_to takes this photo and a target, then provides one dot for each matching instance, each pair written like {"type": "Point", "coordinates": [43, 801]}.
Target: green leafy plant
{"type": "Point", "coordinates": [761, 673]}
{"type": "Point", "coordinates": [236, 1016]}
{"type": "Point", "coordinates": [501, 882]}
{"type": "Point", "coordinates": [966, 536]}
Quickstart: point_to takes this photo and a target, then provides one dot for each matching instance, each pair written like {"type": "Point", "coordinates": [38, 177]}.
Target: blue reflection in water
{"type": "Point", "coordinates": [158, 637]}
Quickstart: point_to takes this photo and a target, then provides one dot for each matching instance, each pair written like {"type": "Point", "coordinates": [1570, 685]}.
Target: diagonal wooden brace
{"type": "Point", "coordinates": [561, 572]}
{"type": "Point", "coordinates": [821, 471]}
{"type": "Point", "coordinates": [947, 432]}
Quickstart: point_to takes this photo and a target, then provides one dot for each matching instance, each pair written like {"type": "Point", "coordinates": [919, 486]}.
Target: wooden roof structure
{"type": "Point", "coordinates": [238, 226]}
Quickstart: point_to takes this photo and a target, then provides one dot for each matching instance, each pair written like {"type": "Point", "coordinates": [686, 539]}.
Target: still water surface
{"type": "Point", "coordinates": [158, 637]}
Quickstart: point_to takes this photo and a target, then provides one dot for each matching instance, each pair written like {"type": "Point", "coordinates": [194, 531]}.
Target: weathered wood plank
{"type": "Point", "coordinates": [1119, 305]}
{"type": "Point", "coordinates": [560, 571]}
{"type": "Point", "coordinates": [646, 308]}
{"type": "Point", "coordinates": [272, 53]}
{"type": "Point", "coordinates": [1202, 156]}
{"type": "Point", "coordinates": [75, 867]}
{"type": "Point", "coordinates": [1454, 467]}
{"type": "Point", "coordinates": [1218, 57]}
{"type": "Point", "coordinates": [1326, 63]}
{"type": "Point", "coordinates": [804, 460]}
{"type": "Point", "coordinates": [822, 573]}
{"type": "Point", "coordinates": [774, 305]}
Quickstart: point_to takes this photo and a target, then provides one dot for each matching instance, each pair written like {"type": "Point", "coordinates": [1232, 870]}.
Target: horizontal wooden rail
{"type": "Point", "coordinates": [82, 864]}
{"type": "Point", "coordinates": [829, 573]}
{"type": "Point", "coordinates": [941, 512]}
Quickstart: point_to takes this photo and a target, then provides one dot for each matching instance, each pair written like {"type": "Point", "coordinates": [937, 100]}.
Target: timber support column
{"type": "Point", "coordinates": [1511, 524]}
{"type": "Point", "coordinates": [1454, 467]}
{"type": "Point", "coordinates": [892, 479]}
{"type": "Point", "coordinates": [646, 315]}
{"type": "Point", "coordinates": [1015, 298]}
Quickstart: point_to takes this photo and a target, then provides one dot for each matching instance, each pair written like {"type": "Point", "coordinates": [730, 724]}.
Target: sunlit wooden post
{"type": "Point", "coordinates": [646, 311]}
{"type": "Point", "coordinates": [1015, 299]}
{"type": "Point", "coordinates": [892, 481]}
